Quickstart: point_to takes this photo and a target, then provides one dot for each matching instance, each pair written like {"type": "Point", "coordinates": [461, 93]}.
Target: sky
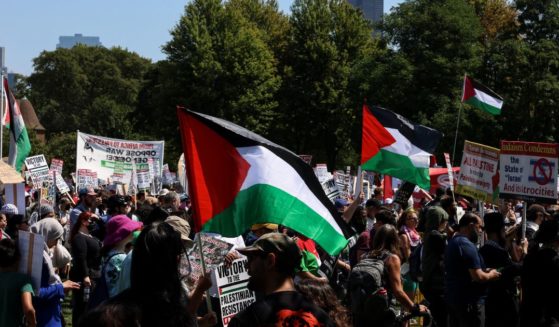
{"type": "Point", "coordinates": [142, 26]}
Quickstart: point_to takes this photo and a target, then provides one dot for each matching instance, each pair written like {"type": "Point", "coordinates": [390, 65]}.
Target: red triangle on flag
{"type": "Point", "coordinates": [469, 90]}
{"type": "Point", "coordinates": [217, 170]}
{"type": "Point", "coordinates": [374, 136]}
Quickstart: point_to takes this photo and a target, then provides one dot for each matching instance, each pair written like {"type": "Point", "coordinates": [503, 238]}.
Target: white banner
{"type": "Point", "coordinates": [108, 156]}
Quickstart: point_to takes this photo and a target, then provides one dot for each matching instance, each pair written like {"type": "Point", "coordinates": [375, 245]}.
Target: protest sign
{"type": "Point", "coordinates": [107, 156]}
{"type": "Point", "coordinates": [343, 183]}
{"type": "Point", "coordinates": [214, 253]}
{"type": "Point", "coordinates": [478, 172]}
{"type": "Point", "coordinates": [38, 170]}
{"type": "Point", "coordinates": [86, 178]}
{"type": "Point", "coordinates": [234, 296]}
{"type": "Point", "coordinates": [403, 194]}
{"type": "Point", "coordinates": [321, 172]}
{"type": "Point", "coordinates": [143, 179]}
{"type": "Point", "coordinates": [331, 189]}
{"type": "Point", "coordinates": [528, 171]}
{"type": "Point", "coordinates": [56, 165]}
{"type": "Point", "coordinates": [449, 168]}
{"type": "Point", "coordinates": [31, 260]}
{"type": "Point", "coordinates": [60, 182]}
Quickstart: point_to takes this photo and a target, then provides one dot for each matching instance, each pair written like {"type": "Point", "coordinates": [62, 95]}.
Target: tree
{"type": "Point", "coordinates": [91, 88]}
{"type": "Point", "coordinates": [327, 38]}
{"type": "Point", "coordinates": [436, 43]}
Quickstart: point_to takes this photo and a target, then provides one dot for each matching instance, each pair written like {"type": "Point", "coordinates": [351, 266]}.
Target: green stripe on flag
{"type": "Point", "coordinates": [262, 203]}
{"type": "Point", "coordinates": [473, 101]}
{"type": "Point", "coordinates": [23, 147]}
{"type": "Point", "coordinates": [398, 166]}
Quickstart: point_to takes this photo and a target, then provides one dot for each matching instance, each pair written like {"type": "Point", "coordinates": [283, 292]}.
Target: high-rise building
{"type": "Point", "coordinates": [3, 67]}
{"type": "Point", "coordinates": [70, 41]}
{"type": "Point", "coordinates": [372, 9]}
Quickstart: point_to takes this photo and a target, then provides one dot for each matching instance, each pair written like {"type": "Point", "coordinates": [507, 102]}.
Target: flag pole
{"type": "Point", "coordinates": [456, 134]}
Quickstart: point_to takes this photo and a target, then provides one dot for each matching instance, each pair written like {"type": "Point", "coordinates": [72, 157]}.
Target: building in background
{"type": "Point", "coordinates": [372, 9]}
{"type": "Point", "coordinates": [3, 68]}
{"type": "Point", "coordinates": [68, 42]}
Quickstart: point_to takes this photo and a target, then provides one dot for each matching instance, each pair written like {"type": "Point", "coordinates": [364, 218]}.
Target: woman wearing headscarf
{"type": "Point", "coordinates": [48, 301]}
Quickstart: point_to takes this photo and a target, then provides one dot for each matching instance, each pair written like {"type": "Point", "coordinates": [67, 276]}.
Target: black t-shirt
{"type": "Point", "coordinates": [282, 309]}
{"type": "Point", "coordinates": [86, 254]}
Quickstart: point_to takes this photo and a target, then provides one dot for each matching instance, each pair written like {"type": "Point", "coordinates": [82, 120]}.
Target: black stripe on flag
{"type": "Point", "coordinates": [478, 86]}
{"type": "Point", "coordinates": [423, 137]}
{"type": "Point", "coordinates": [241, 137]}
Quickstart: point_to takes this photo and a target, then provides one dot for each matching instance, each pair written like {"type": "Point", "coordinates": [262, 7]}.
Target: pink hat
{"type": "Point", "coordinates": [118, 228]}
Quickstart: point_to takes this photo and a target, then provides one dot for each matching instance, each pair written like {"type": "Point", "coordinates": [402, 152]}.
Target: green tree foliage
{"type": "Point", "coordinates": [93, 89]}
{"type": "Point", "coordinates": [327, 38]}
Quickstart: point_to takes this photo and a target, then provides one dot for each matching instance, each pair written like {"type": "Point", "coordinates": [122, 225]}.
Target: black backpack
{"type": "Point", "coordinates": [416, 273]}
{"type": "Point", "coordinates": [367, 295]}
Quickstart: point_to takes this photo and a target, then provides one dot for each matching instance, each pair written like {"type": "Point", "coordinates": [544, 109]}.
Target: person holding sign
{"type": "Point", "coordinates": [272, 261]}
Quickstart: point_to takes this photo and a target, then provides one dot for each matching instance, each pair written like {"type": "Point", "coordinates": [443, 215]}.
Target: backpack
{"type": "Point", "coordinates": [416, 273]}
{"type": "Point", "coordinates": [100, 292]}
{"type": "Point", "coordinates": [367, 295]}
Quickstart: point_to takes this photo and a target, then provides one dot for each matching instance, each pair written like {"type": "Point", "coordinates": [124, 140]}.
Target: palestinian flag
{"type": "Point", "coordinates": [238, 178]}
{"type": "Point", "coordinates": [20, 147]}
{"type": "Point", "coordinates": [480, 96]}
{"type": "Point", "coordinates": [394, 146]}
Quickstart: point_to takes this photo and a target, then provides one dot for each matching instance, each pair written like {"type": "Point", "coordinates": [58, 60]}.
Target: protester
{"type": "Point", "coordinates": [372, 206]}
{"type": "Point", "coordinates": [409, 241]}
{"type": "Point", "coordinates": [119, 233]}
{"type": "Point", "coordinates": [502, 303]}
{"type": "Point", "coordinates": [155, 297]}
{"type": "Point", "coordinates": [16, 288]}
{"type": "Point", "coordinates": [272, 261]}
{"type": "Point", "coordinates": [432, 263]}
{"type": "Point", "coordinates": [15, 224]}
{"type": "Point", "coordinates": [540, 284]}
{"type": "Point", "coordinates": [87, 202]}
{"type": "Point", "coordinates": [323, 296]}
{"type": "Point", "coordinates": [48, 302]}
{"type": "Point", "coordinates": [466, 274]}
{"type": "Point", "coordinates": [535, 215]}
{"type": "Point", "coordinates": [386, 248]}
{"type": "Point", "coordinates": [87, 263]}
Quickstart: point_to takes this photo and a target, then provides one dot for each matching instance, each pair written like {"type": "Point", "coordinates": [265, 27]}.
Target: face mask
{"type": "Point", "coordinates": [91, 227]}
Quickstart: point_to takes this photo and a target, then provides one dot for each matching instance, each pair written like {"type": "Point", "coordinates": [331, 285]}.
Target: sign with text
{"type": "Point", "coordinates": [449, 168]}
{"type": "Point", "coordinates": [478, 172]}
{"type": "Point", "coordinates": [108, 156]}
{"type": "Point", "coordinates": [38, 170]}
{"type": "Point", "coordinates": [87, 178]}
{"type": "Point", "coordinates": [528, 171]}
{"type": "Point", "coordinates": [403, 194]}
{"type": "Point", "coordinates": [234, 296]}
{"type": "Point", "coordinates": [56, 165]}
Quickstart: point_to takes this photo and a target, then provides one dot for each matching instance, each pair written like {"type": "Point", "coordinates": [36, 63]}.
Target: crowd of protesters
{"type": "Point", "coordinates": [123, 262]}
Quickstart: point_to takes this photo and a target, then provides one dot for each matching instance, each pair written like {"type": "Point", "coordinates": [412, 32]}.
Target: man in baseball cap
{"type": "Point", "coordinates": [272, 260]}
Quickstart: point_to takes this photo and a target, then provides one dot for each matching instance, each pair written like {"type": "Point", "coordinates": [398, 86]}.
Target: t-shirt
{"type": "Point", "coordinates": [460, 256]}
{"type": "Point", "coordinates": [288, 308]}
{"type": "Point", "coordinates": [12, 285]}
{"type": "Point", "coordinates": [112, 271]}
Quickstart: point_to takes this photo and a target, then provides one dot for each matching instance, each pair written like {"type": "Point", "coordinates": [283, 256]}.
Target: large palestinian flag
{"type": "Point", "coordinates": [20, 147]}
{"type": "Point", "coordinates": [238, 178]}
{"type": "Point", "coordinates": [394, 146]}
{"type": "Point", "coordinates": [480, 96]}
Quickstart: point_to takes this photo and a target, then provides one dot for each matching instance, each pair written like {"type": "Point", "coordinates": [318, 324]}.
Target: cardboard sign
{"type": "Point", "coordinates": [214, 253]}
{"type": "Point", "coordinates": [87, 178]}
{"type": "Point", "coordinates": [344, 184]}
{"type": "Point", "coordinates": [234, 296]}
{"type": "Point", "coordinates": [107, 156]}
{"type": "Point", "coordinates": [321, 172]}
{"type": "Point", "coordinates": [143, 179]}
{"type": "Point", "coordinates": [478, 172]}
{"type": "Point", "coordinates": [31, 263]}
{"type": "Point", "coordinates": [38, 170]}
{"type": "Point", "coordinates": [15, 194]}
{"type": "Point", "coordinates": [528, 171]}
